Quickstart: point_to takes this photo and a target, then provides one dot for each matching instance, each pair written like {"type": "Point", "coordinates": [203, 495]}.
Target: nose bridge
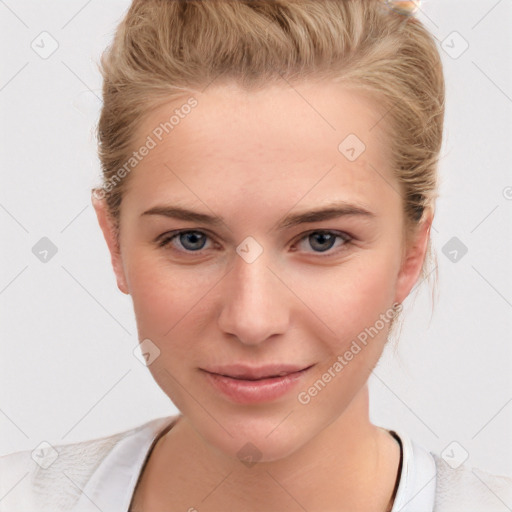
{"type": "Point", "coordinates": [254, 305]}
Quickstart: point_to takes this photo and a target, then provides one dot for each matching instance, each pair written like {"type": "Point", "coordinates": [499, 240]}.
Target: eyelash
{"type": "Point", "coordinates": [347, 239]}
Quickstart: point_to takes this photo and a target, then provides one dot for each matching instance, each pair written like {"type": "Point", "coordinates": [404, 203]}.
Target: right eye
{"type": "Point", "coordinates": [191, 241]}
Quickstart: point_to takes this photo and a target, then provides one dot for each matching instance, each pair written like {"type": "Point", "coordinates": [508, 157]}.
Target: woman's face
{"type": "Point", "coordinates": [254, 281]}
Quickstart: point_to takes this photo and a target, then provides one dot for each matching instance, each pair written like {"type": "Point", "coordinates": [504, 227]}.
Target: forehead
{"type": "Point", "coordinates": [283, 139]}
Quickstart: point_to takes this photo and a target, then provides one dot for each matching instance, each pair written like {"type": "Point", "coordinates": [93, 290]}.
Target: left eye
{"type": "Point", "coordinates": [324, 240]}
{"type": "Point", "coordinates": [194, 241]}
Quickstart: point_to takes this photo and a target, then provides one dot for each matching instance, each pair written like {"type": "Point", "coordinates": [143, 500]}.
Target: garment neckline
{"type": "Point", "coordinates": [399, 471]}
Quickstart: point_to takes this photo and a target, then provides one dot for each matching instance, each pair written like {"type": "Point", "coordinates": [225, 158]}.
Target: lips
{"type": "Point", "coordinates": [242, 384]}
{"type": "Point", "coordinates": [243, 372]}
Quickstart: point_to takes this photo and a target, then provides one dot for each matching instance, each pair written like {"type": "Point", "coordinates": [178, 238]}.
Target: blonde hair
{"type": "Point", "coordinates": [163, 49]}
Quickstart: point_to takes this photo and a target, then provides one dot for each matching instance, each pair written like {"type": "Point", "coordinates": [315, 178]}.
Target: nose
{"type": "Point", "coordinates": [255, 302]}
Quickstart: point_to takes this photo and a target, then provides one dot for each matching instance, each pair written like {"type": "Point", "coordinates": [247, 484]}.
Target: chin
{"type": "Point", "coordinates": [254, 440]}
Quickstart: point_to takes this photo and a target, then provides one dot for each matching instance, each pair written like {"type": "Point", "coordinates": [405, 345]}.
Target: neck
{"type": "Point", "coordinates": [348, 466]}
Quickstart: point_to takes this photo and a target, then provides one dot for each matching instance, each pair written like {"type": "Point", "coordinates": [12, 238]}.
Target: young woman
{"type": "Point", "coordinates": [269, 189]}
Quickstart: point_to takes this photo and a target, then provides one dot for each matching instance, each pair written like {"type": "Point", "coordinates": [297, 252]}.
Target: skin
{"type": "Point", "coordinates": [253, 158]}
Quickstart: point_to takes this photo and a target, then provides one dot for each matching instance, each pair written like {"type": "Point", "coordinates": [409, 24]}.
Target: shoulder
{"type": "Point", "coordinates": [429, 483]}
{"type": "Point", "coordinates": [467, 488]}
{"type": "Point", "coordinates": [52, 476]}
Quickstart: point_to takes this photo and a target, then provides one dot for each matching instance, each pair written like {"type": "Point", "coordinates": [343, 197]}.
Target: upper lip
{"type": "Point", "coordinates": [239, 371]}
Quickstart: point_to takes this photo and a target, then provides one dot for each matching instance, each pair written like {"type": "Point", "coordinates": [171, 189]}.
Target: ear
{"type": "Point", "coordinates": [413, 258]}
{"type": "Point", "coordinates": [111, 237]}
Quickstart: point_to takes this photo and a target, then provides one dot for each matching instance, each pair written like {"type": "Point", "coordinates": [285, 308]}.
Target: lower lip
{"type": "Point", "coordinates": [255, 391]}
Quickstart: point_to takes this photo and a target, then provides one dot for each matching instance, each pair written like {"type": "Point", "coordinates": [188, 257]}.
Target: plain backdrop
{"type": "Point", "coordinates": [68, 370]}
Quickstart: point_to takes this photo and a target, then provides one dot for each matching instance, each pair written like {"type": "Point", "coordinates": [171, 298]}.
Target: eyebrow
{"type": "Point", "coordinates": [329, 212]}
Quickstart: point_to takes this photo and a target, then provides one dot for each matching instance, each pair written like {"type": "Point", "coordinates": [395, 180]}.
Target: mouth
{"type": "Point", "coordinates": [250, 386]}
{"type": "Point", "coordinates": [241, 372]}
{"type": "Point", "coordinates": [260, 378]}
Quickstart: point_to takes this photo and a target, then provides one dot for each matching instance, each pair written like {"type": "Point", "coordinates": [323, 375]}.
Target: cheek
{"type": "Point", "coordinates": [169, 312]}
{"type": "Point", "coordinates": [166, 297]}
{"type": "Point", "coordinates": [349, 297]}
{"type": "Point", "coordinates": [357, 309]}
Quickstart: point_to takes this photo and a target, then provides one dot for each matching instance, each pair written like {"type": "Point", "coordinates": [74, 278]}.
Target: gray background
{"type": "Point", "coordinates": [68, 370]}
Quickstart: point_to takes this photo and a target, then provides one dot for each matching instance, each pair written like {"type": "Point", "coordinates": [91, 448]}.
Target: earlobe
{"type": "Point", "coordinates": [412, 262]}
{"type": "Point", "coordinates": [109, 233]}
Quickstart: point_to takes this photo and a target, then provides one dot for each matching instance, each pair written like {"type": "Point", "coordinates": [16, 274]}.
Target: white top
{"type": "Point", "coordinates": [101, 475]}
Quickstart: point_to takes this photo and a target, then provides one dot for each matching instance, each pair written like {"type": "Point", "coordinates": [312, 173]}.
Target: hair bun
{"type": "Point", "coordinates": [408, 7]}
